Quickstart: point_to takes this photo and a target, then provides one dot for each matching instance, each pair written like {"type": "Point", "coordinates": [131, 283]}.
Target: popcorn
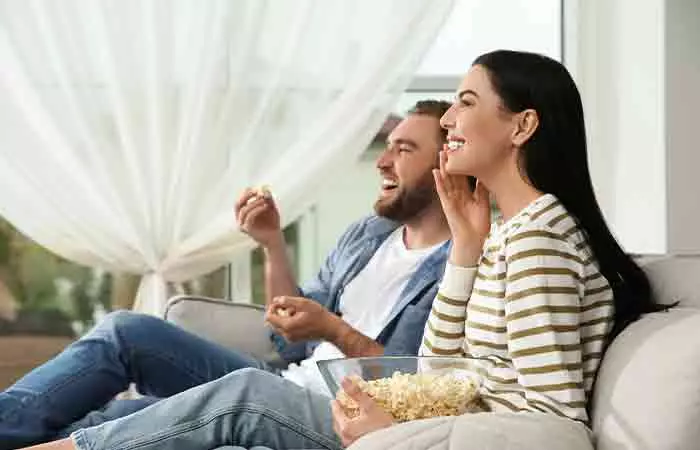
{"type": "Point", "coordinates": [260, 192]}
{"type": "Point", "coordinates": [263, 191]}
{"type": "Point", "coordinates": [410, 397]}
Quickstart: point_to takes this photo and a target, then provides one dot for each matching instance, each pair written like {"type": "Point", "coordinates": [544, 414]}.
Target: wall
{"type": "Point", "coordinates": [637, 66]}
{"type": "Point", "coordinates": [616, 54]}
{"type": "Point", "coordinates": [682, 102]}
{"type": "Point", "coordinates": [348, 195]}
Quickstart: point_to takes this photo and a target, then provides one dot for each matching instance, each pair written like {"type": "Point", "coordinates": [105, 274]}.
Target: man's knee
{"type": "Point", "coordinates": [124, 320]}
{"type": "Point", "coordinates": [248, 382]}
{"type": "Point", "coordinates": [126, 327]}
{"type": "Point", "coordinates": [251, 376]}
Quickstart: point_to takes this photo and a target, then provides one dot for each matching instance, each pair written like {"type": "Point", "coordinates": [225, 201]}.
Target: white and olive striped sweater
{"type": "Point", "coordinates": [536, 311]}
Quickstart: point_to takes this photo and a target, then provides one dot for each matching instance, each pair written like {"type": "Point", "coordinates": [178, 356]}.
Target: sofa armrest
{"type": "Point", "coordinates": [234, 325]}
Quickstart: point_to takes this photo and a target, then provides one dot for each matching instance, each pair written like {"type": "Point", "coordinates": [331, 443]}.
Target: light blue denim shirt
{"type": "Point", "coordinates": [353, 251]}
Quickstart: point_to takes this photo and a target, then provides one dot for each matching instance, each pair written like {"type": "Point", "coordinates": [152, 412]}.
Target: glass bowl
{"type": "Point", "coordinates": [372, 368]}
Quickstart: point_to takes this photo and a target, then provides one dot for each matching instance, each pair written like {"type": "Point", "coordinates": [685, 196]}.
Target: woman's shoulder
{"type": "Point", "coordinates": [547, 218]}
{"type": "Point", "coordinates": [547, 230]}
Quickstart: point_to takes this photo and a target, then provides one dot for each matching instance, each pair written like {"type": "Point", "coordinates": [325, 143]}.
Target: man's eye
{"type": "Point", "coordinates": [404, 149]}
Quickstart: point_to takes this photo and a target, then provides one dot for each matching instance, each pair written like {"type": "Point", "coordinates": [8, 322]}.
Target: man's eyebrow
{"type": "Point", "coordinates": [402, 141]}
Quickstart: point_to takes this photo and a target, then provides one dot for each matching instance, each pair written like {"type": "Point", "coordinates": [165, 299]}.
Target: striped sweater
{"type": "Point", "coordinates": [536, 312]}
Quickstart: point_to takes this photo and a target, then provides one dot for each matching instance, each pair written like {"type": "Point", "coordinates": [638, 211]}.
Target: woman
{"type": "Point", "coordinates": [550, 288]}
{"type": "Point", "coordinates": [542, 293]}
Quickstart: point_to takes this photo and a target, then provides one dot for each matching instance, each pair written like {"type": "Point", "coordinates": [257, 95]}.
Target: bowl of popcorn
{"type": "Point", "coordinates": [408, 387]}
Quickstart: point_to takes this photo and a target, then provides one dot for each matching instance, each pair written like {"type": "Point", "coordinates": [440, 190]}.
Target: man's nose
{"type": "Point", "coordinates": [385, 159]}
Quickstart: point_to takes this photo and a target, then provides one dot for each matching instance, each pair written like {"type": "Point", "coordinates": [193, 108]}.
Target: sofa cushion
{"type": "Point", "coordinates": [647, 393]}
{"type": "Point", "coordinates": [238, 326]}
{"type": "Point", "coordinates": [674, 279]}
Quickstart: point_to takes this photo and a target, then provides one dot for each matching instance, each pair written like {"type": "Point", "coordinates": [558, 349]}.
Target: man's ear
{"type": "Point", "coordinates": [526, 124]}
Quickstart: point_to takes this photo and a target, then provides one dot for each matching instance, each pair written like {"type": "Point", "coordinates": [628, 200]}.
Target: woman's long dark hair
{"type": "Point", "coordinates": [555, 161]}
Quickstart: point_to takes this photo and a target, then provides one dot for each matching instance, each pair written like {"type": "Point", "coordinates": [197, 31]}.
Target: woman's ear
{"type": "Point", "coordinates": [526, 124]}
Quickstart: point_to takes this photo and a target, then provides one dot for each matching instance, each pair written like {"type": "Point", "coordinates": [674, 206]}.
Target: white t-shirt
{"type": "Point", "coordinates": [365, 303]}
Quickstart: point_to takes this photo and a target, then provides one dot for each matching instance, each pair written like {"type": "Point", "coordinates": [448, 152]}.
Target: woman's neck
{"type": "Point", "coordinates": [511, 192]}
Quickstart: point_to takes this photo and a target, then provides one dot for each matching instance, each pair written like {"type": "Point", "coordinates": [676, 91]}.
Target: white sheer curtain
{"type": "Point", "coordinates": [129, 127]}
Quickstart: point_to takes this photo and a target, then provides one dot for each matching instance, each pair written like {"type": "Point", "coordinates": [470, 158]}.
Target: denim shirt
{"type": "Point", "coordinates": [404, 331]}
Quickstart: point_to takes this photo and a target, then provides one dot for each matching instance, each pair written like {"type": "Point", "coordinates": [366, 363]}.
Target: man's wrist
{"type": "Point", "coordinates": [275, 246]}
{"type": "Point", "coordinates": [336, 330]}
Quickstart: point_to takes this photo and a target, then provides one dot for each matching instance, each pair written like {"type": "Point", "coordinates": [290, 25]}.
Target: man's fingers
{"type": "Point", "coordinates": [250, 212]}
{"type": "Point", "coordinates": [277, 321]}
{"type": "Point", "coordinates": [283, 327]}
{"type": "Point", "coordinates": [296, 303]}
{"type": "Point", "coordinates": [280, 309]}
{"type": "Point", "coordinates": [247, 194]}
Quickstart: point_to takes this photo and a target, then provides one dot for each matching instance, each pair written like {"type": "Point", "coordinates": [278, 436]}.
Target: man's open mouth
{"type": "Point", "coordinates": [389, 185]}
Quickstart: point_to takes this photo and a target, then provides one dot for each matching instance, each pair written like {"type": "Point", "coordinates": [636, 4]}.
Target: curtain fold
{"type": "Point", "coordinates": [129, 127]}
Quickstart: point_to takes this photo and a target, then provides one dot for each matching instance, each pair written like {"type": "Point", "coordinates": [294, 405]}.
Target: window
{"type": "Point", "coordinates": [291, 237]}
{"type": "Point", "coordinates": [41, 293]}
{"type": "Point", "coordinates": [479, 26]}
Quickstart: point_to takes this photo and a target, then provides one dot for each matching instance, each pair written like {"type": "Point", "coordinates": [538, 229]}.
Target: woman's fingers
{"type": "Point", "coordinates": [446, 179]}
{"type": "Point", "coordinates": [439, 185]}
{"type": "Point", "coordinates": [353, 391]}
{"type": "Point", "coordinates": [482, 196]}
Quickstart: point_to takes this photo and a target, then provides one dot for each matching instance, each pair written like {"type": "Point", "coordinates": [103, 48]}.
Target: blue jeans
{"type": "Point", "coordinates": [71, 391]}
{"type": "Point", "coordinates": [247, 408]}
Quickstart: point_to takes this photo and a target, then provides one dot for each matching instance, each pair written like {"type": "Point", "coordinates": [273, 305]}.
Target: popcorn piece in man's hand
{"type": "Point", "coordinates": [264, 191]}
{"type": "Point", "coordinates": [282, 312]}
{"type": "Point", "coordinates": [260, 192]}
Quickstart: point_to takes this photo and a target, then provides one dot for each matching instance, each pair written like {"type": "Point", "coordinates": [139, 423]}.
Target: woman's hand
{"type": "Point", "coordinates": [371, 417]}
{"type": "Point", "coordinates": [468, 214]}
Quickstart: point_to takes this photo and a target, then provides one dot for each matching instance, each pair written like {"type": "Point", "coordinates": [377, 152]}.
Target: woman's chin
{"type": "Point", "coordinates": [455, 169]}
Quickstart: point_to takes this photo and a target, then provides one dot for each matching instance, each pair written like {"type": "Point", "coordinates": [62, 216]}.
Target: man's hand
{"type": "Point", "coordinates": [300, 319]}
{"type": "Point", "coordinates": [258, 217]}
{"type": "Point", "coordinates": [371, 416]}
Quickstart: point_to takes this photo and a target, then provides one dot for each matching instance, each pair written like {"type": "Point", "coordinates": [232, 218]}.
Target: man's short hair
{"type": "Point", "coordinates": [434, 108]}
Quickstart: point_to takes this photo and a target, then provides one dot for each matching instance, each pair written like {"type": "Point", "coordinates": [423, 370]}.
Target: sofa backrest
{"type": "Point", "coordinates": [647, 394]}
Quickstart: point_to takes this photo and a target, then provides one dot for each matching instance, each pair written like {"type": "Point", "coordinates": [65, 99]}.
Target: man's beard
{"type": "Point", "coordinates": [408, 203]}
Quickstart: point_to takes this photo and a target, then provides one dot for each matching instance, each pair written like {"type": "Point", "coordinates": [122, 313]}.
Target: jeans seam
{"type": "Point", "coordinates": [80, 441]}
{"type": "Point", "coordinates": [267, 413]}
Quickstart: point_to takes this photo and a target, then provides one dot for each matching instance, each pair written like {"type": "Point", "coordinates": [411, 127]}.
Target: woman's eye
{"type": "Point", "coordinates": [466, 103]}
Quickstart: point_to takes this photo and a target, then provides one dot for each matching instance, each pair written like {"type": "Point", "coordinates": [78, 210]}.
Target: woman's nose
{"type": "Point", "coordinates": [447, 120]}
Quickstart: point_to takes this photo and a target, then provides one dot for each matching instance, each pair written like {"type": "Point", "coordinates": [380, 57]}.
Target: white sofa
{"type": "Point", "coordinates": [647, 395]}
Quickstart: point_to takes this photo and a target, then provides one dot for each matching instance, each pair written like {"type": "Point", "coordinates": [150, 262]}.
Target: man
{"type": "Point", "coordinates": [371, 297]}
